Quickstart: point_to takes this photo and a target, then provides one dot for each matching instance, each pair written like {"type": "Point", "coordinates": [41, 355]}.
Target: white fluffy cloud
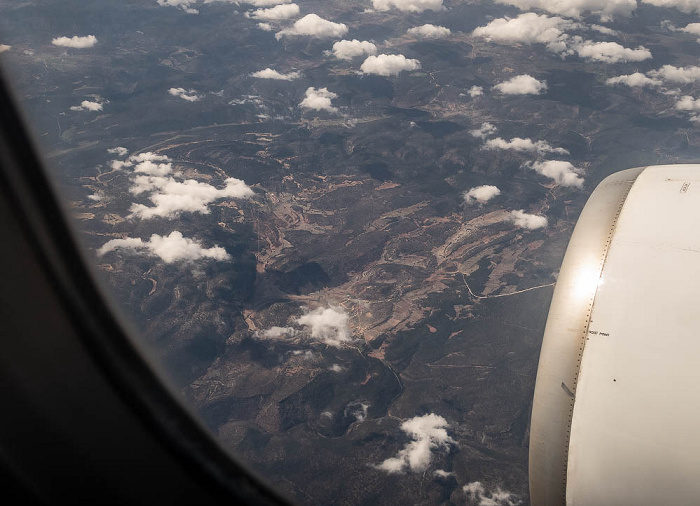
{"type": "Point", "coordinates": [171, 248]}
{"type": "Point", "coordinates": [521, 85]}
{"type": "Point", "coordinates": [358, 410]}
{"type": "Point", "coordinates": [429, 434]}
{"type": "Point", "coordinates": [603, 29]}
{"type": "Point", "coordinates": [478, 495]}
{"type": "Point", "coordinates": [606, 9]}
{"type": "Point", "coordinates": [76, 41]}
{"type": "Point", "coordinates": [531, 28]}
{"type": "Point", "coordinates": [429, 31]}
{"type": "Point", "coordinates": [679, 75]}
{"type": "Point", "coordinates": [189, 95]}
{"type": "Point", "coordinates": [328, 325]}
{"type": "Point", "coordinates": [152, 168]}
{"type": "Point", "coordinates": [523, 145]}
{"type": "Point", "coordinates": [408, 5]}
{"type": "Point", "coordinates": [269, 73]}
{"type": "Point", "coordinates": [388, 64]}
{"type": "Point", "coordinates": [149, 156]}
{"type": "Point", "coordinates": [480, 194]}
{"type": "Point", "coordinates": [688, 103]}
{"type": "Point", "coordinates": [119, 151]}
{"type": "Point", "coordinates": [276, 13]}
{"type": "Point", "coordinates": [528, 28]}
{"type": "Point", "coordinates": [561, 172]}
{"type": "Point", "coordinates": [185, 5]}
{"type": "Point", "coordinates": [693, 28]}
{"type": "Point", "coordinates": [170, 194]}
{"type": "Point", "coordinates": [636, 80]}
{"type": "Point", "coordinates": [687, 6]}
{"type": "Point", "coordinates": [475, 91]}
{"type": "Point", "coordinates": [313, 25]}
{"type": "Point", "coordinates": [87, 105]}
{"type": "Point", "coordinates": [266, 3]}
{"type": "Point", "coordinates": [319, 100]}
{"type": "Point", "coordinates": [529, 221]}
{"type": "Point", "coordinates": [485, 130]}
{"type": "Point", "coordinates": [171, 197]}
{"type": "Point", "coordinates": [349, 49]}
{"type": "Point", "coordinates": [611, 52]}
{"type": "Point", "coordinates": [277, 333]}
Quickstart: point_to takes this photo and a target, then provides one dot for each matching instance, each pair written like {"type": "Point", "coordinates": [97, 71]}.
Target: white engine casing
{"type": "Point", "coordinates": [616, 408]}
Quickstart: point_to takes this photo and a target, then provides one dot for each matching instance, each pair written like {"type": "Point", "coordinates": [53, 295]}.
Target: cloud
{"type": "Point", "coordinates": [312, 25]}
{"type": "Point", "coordinates": [75, 42]}
{"type": "Point", "coordinates": [430, 31]}
{"type": "Point", "coordinates": [529, 221]}
{"type": "Point", "coordinates": [4, 47]}
{"type": "Point", "coordinates": [119, 164]}
{"type": "Point", "coordinates": [358, 410]}
{"type": "Point", "coordinates": [87, 105]}
{"type": "Point", "coordinates": [171, 248]}
{"type": "Point", "coordinates": [119, 151]}
{"type": "Point", "coordinates": [150, 157]}
{"type": "Point", "coordinates": [637, 80]}
{"type": "Point", "coordinates": [170, 194]}
{"type": "Point", "coordinates": [349, 49]}
{"type": "Point", "coordinates": [523, 145]}
{"type": "Point", "coordinates": [692, 28]}
{"type": "Point", "coordinates": [687, 6]}
{"type": "Point", "coordinates": [603, 29]}
{"type": "Point", "coordinates": [319, 100]}
{"type": "Point", "coordinates": [277, 333]}
{"type": "Point", "coordinates": [408, 5]}
{"type": "Point", "coordinates": [528, 28]}
{"type": "Point", "coordinates": [337, 368]}
{"type": "Point", "coordinates": [475, 91]}
{"type": "Point", "coordinates": [153, 169]}
{"type": "Point", "coordinates": [266, 27]}
{"type": "Point", "coordinates": [522, 85]}
{"type": "Point", "coordinates": [563, 173]}
{"type": "Point", "coordinates": [388, 64]}
{"type": "Point", "coordinates": [484, 131]}
{"type": "Point", "coordinates": [305, 355]}
{"type": "Point", "coordinates": [688, 103]}
{"type": "Point", "coordinates": [171, 197]}
{"type": "Point", "coordinates": [185, 5]}
{"type": "Point", "coordinates": [479, 496]}
{"type": "Point", "coordinates": [189, 95]}
{"type": "Point", "coordinates": [480, 194]}
{"type": "Point", "coordinates": [531, 28]}
{"type": "Point", "coordinates": [680, 75]}
{"type": "Point", "coordinates": [611, 52]}
{"type": "Point", "coordinates": [277, 13]}
{"type": "Point", "coordinates": [328, 325]}
{"type": "Point", "coordinates": [606, 9]}
{"type": "Point", "coordinates": [429, 434]}
{"type": "Point", "coordinates": [268, 73]}
{"type": "Point", "coordinates": [439, 473]}
{"type": "Point", "coordinates": [267, 3]}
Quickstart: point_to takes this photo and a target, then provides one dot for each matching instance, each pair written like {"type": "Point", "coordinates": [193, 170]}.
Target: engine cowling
{"type": "Point", "coordinates": [616, 409]}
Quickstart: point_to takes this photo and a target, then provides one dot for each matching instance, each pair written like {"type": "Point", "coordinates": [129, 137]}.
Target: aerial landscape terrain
{"type": "Point", "coordinates": [339, 223]}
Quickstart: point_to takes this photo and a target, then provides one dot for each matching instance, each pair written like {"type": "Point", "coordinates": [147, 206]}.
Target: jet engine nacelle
{"type": "Point", "coordinates": [616, 411]}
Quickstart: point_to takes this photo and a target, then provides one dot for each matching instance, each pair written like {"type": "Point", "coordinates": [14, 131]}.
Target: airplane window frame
{"type": "Point", "coordinates": [38, 218]}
